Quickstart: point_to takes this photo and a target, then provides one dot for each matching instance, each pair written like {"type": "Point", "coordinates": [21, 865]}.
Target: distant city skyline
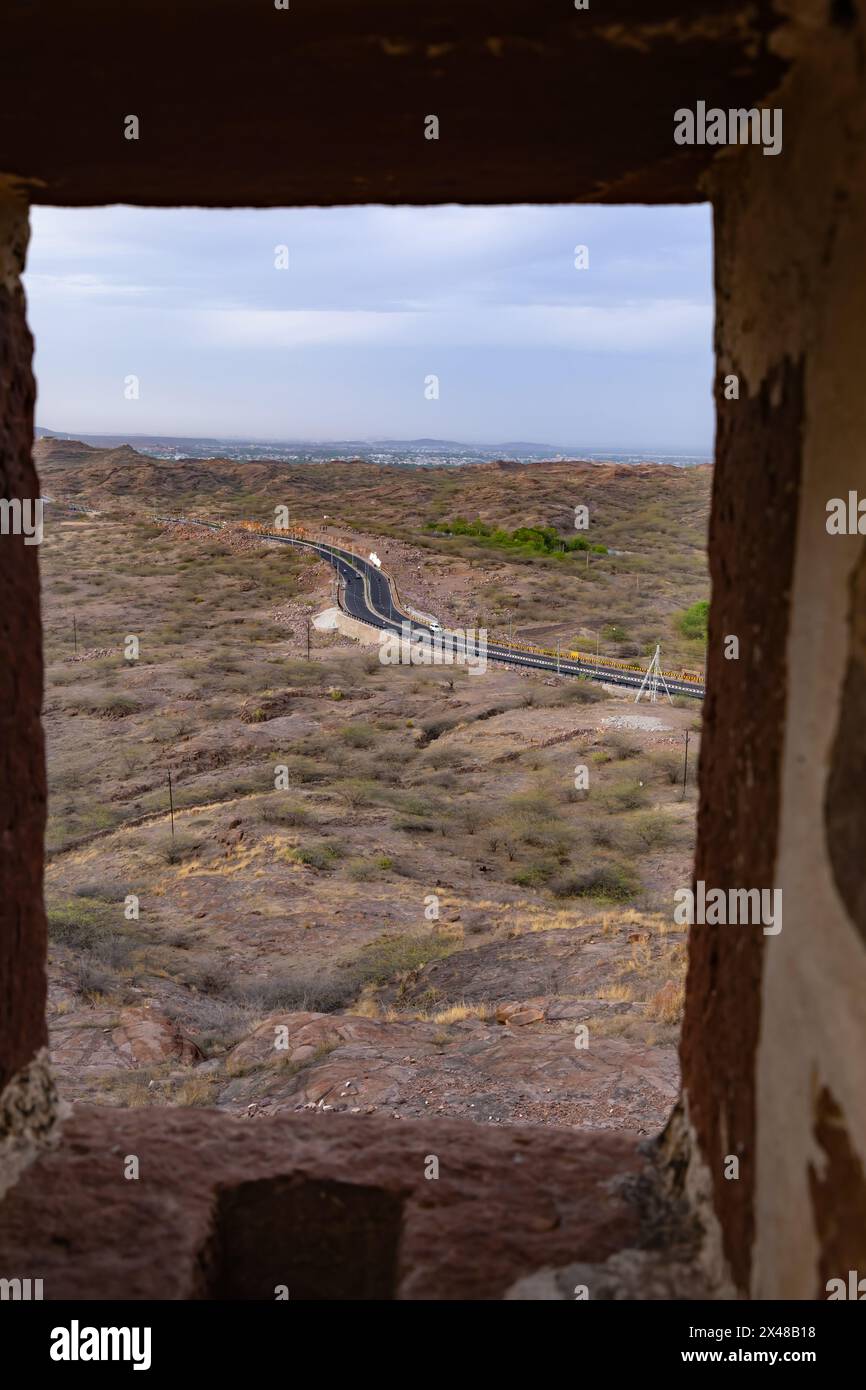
{"type": "Point", "coordinates": [413, 452]}
{"type": "Point", "coordinates": [374, 304]}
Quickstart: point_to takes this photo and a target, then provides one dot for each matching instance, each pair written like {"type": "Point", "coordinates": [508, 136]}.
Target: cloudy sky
{"type": "Point", "coordinates": [374, 301]}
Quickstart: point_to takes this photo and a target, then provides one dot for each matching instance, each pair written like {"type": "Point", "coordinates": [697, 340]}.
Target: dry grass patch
{"type": "Point", "coordinates": [666, 1005]}
{"type": "Point", "coordinates": [617, 993]}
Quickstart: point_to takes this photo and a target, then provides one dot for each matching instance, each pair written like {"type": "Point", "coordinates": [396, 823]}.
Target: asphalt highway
{"type": "Point", "coordinates": [366, 594]}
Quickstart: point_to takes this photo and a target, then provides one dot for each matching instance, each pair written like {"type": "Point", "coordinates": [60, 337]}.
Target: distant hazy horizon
{"type": "Point", "coordinates": [407, 452]}
{"type": "Point", "coordinates": [615, 446]}
{"type": "Point", "coordinates": [341, 345]}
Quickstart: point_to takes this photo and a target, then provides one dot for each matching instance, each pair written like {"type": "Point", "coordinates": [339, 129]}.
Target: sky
{"type": "Point", "coordinates": [376, 300]}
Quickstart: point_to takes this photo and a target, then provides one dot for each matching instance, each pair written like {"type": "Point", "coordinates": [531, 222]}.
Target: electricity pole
{"type": "Point", "coordinates": [685, 766]}
{"type": "Point", "coordinates": [171, 808]}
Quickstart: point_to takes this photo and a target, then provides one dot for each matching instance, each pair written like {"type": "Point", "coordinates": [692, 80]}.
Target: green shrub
{"type": "Point", "coordinates": [323, 855]}
{"type": "Point", "coordinates": [93, 931]}
{"type": "Point", "coordinates": [357, 791]}
{"type": "Point", "coordinates": [652, 829]}
{"type": "Point", "coordinates": [535, 875]}
{"type": "Point", "coordinates": [692, 622]}
{"type": "Point", "coordinates": [302, 770]}
{"type": "Point", "coordinates": [381, 960]}
{"type": "Point", "coordinates": [365, 870]}
{"type": "Point", "coordinates": [277, 813]}
{"type": "Point", "coordinates": [81, 923]}
{"type": "Point", "coordinates": [622, 796]}
{"type": "Point", "coordinates": [622, 745]}
{"type": "Point", "coordinates": [526, 540]}
{"type": "Point", "coordinates": [104, 892]}
{"type": "Point", "coordinates": [667, 764]}
{"type": "Point", "coordinates": [579, 692]}
{"type": "Point", "coordinates": [608, 879]}
{"type": "Point", "coordinates": [175, 849]}
{"type": "Point", "coordinates": [358, 735]}
{"type": "Point", "coordinates": [416, 825]}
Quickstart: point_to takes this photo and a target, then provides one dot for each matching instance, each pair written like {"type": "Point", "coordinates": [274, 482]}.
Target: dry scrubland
{"type": "Point", "coordinates": [304, 908]}
{"type": "Point", "coordinates": [653, 517]}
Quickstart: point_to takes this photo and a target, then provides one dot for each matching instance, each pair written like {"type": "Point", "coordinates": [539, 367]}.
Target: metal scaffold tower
{"type": "Point", "coordinates": [654, 675]}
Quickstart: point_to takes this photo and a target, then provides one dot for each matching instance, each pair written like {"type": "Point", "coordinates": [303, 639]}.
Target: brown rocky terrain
{"type": "Point", "coordinates": [424, 917]}
{"type": "Point", "coordinates": [652, 517]}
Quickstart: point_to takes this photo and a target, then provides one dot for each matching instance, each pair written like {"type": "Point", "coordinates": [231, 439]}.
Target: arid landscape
{"type": "Point", "coordinates": [433, 671]}
{"type": "Point", "coordinates": [382, 890]}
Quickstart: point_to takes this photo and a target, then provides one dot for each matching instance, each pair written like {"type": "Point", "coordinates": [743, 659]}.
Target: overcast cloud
{"type": "Point", "coordinates": [374, 301]}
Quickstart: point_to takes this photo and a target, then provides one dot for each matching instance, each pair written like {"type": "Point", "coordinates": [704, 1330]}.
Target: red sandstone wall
{"type": "Point", "coordinates": [22, 763]}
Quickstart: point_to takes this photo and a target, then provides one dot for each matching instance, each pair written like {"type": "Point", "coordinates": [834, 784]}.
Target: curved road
{"type": "Point", "coordinates": [366, 594]}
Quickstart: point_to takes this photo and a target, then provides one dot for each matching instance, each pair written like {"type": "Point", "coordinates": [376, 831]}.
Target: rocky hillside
{"type": "Point", "coordinates": [651, 518]}
{"type": "Point", "coordinates": [422, 914]}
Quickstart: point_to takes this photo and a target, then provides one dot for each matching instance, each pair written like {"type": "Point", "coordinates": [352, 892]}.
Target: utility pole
{"type": "Point", "coordinates": [685, 767]}
{"type": "Point", "coordinates": [557, 656]}
{"type": "Point", "coordinates": [308, 639]}
{"type": "Point", "coordinates": [171, 808]}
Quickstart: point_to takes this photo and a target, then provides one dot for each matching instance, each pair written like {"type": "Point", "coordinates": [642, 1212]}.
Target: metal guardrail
{"type": "Point", "coordinates": [582, 658]}
{"type": "Point", "coordinates": [589, 659]}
